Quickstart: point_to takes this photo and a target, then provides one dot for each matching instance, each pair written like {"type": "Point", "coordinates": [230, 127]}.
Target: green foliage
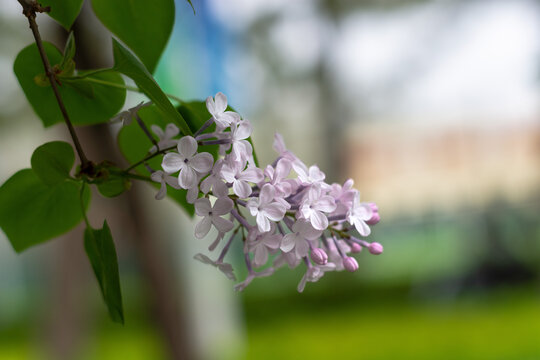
{"type": "Point", "coordinates": [134, 144]}
{"type": "Point", "coordinates": [32, 212]}
{"type": "Point", "coordinates": [96, 104]}
{"type": "Point", "coordinates": [129, 65]}
{"type": "Point", "coordinates": [63, 11]}
{"type": "Point", "coordinates": [142, 25]}
{"type": "Point", "coordinates": [101, 252]}
{"type": "Point", "coordinates": [114, 185]}
{"type": "Point", "coordinates": [192, 7]}
{"type": "Point", "coordinates": [53, 161]}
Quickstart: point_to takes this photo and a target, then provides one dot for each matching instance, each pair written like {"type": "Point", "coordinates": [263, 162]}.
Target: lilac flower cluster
{"type": "Point", "coordinates": [286, 210]}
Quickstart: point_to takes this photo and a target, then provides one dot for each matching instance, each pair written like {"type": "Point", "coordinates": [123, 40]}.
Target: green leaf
{"type": "Point", "coordinates": [142, 25]}
{"type": "Point", "coordinates": [105, 103]}
{"type": "Point", "coordinates": [63, 11]}
{"type": "Point", "coordinates": [135, 145]}
{"type": "Point", "coordinates": [69, 50]}
{"type": "Point", "coordinates": [190, 3]}
{"type": "Point", "coordinates": [83, 87]}
{"type": "Point", "coordinates": [114, 186]}
{"type": "Point", "coordinates": [129, 65]}
{"type": "Point", "coordinates": [32, 212]}
{"type": "Point", "coordinates": [101, 252]}
{"type": "Point", "coordinates": [53, 161]}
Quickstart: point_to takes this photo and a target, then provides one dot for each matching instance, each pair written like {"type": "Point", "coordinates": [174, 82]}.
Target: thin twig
{"type": "Point", "coordinates": [148, 157]}
{"type": "Point", "coordinates": [29, 10]}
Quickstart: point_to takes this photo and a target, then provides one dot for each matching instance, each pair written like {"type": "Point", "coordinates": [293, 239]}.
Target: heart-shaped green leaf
{"type": "Point", "coordinates": [143, 26]}
{"type": "Point", "coordinates": [32, 212]}
{"type": "Point", "coordinates": [63, 11]}
{"type": "Point", "coordinates": [83, 110]}
{"type": "Point", "coordinates": [101, 252]}
{"type": "Point", "coordinates": [113, 186]}
{"type": "Point", "coordinates": [53, 161]}
{"type": "Point", "coordinates": [129, 65]}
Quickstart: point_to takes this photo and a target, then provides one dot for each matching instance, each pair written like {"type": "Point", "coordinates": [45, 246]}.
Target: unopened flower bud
{"type": "Point", "coordinates": [355, 248]}
{"type": "Point", "coordinates": [374, 207]}
{"type": "Point", "coordinates": [319, 256]}
{"type": "Point", "coordinates": [350, 264]}
{"type": "Point", "coordinates": [375, 218]}
{"type": "Point", "coordinates": [375, 248]}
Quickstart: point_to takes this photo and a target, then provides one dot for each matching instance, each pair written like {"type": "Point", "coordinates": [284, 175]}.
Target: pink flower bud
{"type": "Point", "coordinates": [356, 248]}
{"type": "Point", "coordinates": [375, 248]}
{"type": "Point", "coordinates": [375, 218]}
{"type": "Point", "coordinates": [319, 256]}
{"type": "Point", "coordinates": [350, 264]}
{"type": "Point", "coordinates": [374, 207]}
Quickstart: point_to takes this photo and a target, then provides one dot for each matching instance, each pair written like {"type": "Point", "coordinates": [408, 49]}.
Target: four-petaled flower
{"type": "Point", "coordinates": [313, 206]}
{"type": "Point", "coordinates": [239, 178]}
{"type": "Point", "coordinates": [164, 179]}
{"type": "Point", "coordinates": [187, 161]}
{"type": "Point", "coordinates": [297, 240]}
{"type": "Point", "coordinates": [217, 109]}
{"type": "Point", "coordinates": [358, 214]}
{"type": "Point", "coordinates": [262, 245]}
{"type": "Point", "coordinates": [165, 137]}
{"type": "Point", "coordinates": [212, 215]}
{"type": "Point", "coordinates": [223, 267]}
{"type": "Point", "coordinates": [265, 208]}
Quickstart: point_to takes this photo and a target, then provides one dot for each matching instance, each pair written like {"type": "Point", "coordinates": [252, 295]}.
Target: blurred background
{"type": "Point", "coordinates": [432, 107]}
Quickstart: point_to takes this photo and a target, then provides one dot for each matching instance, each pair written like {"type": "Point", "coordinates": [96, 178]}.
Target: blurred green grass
{"type": "Point", "coordinates": [503, 325]}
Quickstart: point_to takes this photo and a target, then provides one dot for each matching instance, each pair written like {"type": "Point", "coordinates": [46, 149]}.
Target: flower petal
{"type": "Point", "coordinates": [275, 211]}
{"type": "Point", "coordinates": [187, 178]}
{"type": "Point", "coordinates": [302, 248]}
{"type": "Point", "coordinates": [202, 207]}
{"type": "Point", "coordinates": [157, 130]}
{"type": "Point", "coordinates": [219, 188]}
{"type": "Point", "coordinates": [252, 174]}
{"type": "Point", "coordinates": [261, 256]}
{"type": "Point", "coordinates": [221, 224]}
{"type": "Point", "coordinates": [267, 194]}
{"type": "Point", "coordinates": [326, 204]}
{"type": "Point", "coordinates": [288, 242]}
{"type": "Point", "coordinates": [172, 181]}
{"type": "Point", "coordinates": [362, 228]}
{"type": "Point", "coordinates": [162, 191]}
{"type": "Point", "coordinates": [202, 162]}
{"type": "Point", "coordinates": [171, 131]}
{"type": "Point", "coordinates": [316, 174]}
{"type": "Point", "coordinates": [241, 188]}
{"type": "Point", "coordinates": [203, 227]}
{"type": "Point", "coordinates": [243, 131]}
{"type": "Point", "coordinates": [172, 162]}
{"type": "Point", "coordinates": [187, 146]}
{"type": "Point", "coordinates": [204, 259]}
{"type": "Point", "coordinates": [283, 168]}
{"type": "Point", "coordinates": [319, 220]}
{"type": "Point", "coordinates": [262, 222]}
{"type": "Point", "coordinates": [221, 102]}
{"type": "Point", "coordinates": [222, 206]}
{"type": "Point", "coordinates": [210, 105]}
{"type": "Point", "coordinates": [157, 176]}
{"type": "Point", "coordinates": [273, 241]}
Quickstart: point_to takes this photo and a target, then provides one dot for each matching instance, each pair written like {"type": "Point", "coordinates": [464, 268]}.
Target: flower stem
{"type": "Point", "coordinates": [29, 10]}
{"type": "Point", "coordinates": [148, 157]}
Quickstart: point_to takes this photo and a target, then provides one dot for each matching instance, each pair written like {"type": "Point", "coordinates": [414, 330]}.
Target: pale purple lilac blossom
{"type": "Point", "coordinates": [286, 212]}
